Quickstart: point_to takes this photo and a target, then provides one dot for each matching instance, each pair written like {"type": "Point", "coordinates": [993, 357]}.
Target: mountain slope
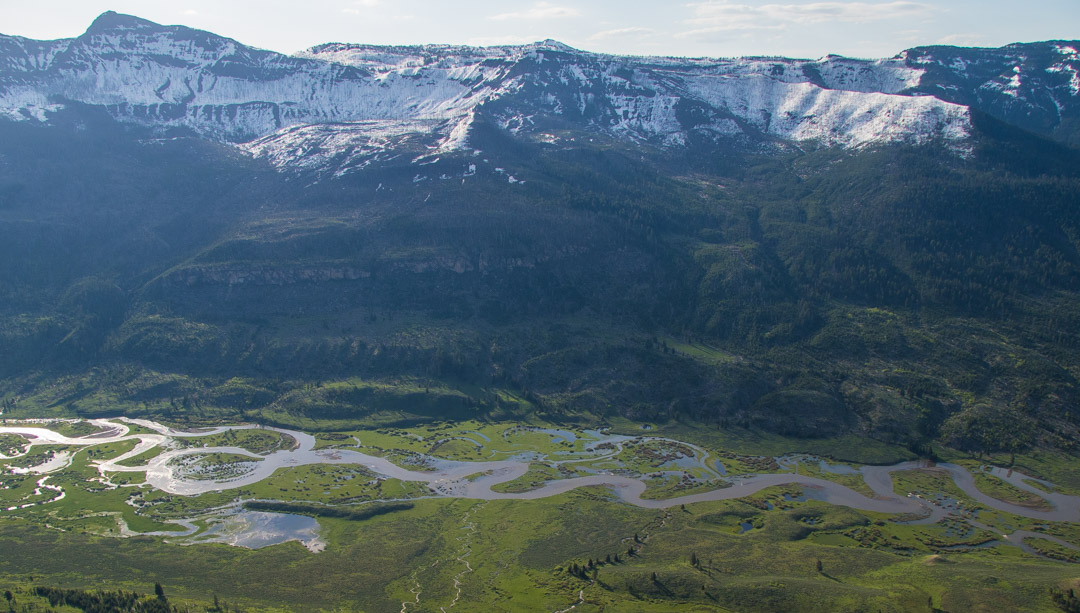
{"type": "Point", "coordinates": [1033, 86]}
{"type": "Point", "coordinates": [778, 244]}
{"type": "Point", "coordinates": [900, 293]}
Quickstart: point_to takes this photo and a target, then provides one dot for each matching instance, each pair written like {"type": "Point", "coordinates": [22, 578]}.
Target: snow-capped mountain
{"type": "Point", "coordinates": [1035, 86]}
{"type": "Point", "coordinates": [336, 106]}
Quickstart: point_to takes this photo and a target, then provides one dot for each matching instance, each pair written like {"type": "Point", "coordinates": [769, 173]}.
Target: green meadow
{"type": "Point", "coordinates": [772, 551]}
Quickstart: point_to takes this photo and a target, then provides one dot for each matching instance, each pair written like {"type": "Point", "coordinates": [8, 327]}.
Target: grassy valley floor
{"type": "Point", "coordinates": [388, 545]}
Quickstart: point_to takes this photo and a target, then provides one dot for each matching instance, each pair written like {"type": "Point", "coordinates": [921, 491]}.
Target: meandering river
{"type": "Point", "coordinates": [452, 479]}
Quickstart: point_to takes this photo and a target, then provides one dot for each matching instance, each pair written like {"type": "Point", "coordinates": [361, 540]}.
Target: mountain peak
{"type": "Point", "coordinates": [554, 45]}
{"type": "Point", "coordinates": [111, 21]}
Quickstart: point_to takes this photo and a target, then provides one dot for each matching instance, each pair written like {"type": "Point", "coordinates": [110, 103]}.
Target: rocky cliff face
{"type": "Point", "coordinates": [340, 106]}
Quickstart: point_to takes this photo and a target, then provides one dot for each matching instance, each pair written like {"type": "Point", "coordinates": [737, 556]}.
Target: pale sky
{"type": "Point", "coordinates": [717, 28]}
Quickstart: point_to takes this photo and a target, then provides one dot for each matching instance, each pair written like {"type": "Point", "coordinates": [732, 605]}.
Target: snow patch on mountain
{"type": "Point", "coordinates": [1074, 78]}
{"type": "Point", "coordinates": [639, 99]}
{"type": "Point", "coordinates": [19, 54]}
{"type": "Point", "coordinates": [339, 148]}
{"type": "Point", "coordinates": [39, 113]}
{"type": "Point", "coordinates": [458, 138]}
{"type": "Point", "coordinates": [801, 111]}
{"type": "Point", "coordinates": [888, 76]}
{"type": "Point", "coordinates": [335, 107]}
{"type": "Point", "coordinates": [175, 77]}
{"type": "Point", "coordinates": [645, 118]}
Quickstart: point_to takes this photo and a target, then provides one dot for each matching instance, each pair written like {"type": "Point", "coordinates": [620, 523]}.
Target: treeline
{"type": "Point", "coordinates": [1066, 600]}
{"type": "Point", "coordinates": [29, 600]}
{"type": "Point", "coordinates": [107, 601]}
{"type": "Point", "coordinates": [589, 569]}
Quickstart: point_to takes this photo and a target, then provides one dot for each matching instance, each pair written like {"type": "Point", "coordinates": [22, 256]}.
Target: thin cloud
{"type": "Point", "coordinates": [359, 6]}
{"type": "Point", "coordinates": [963, 40]}
{"type": "Point", "coordinates": [621, 32]}
{"type": "Point", "coordinates": [383, 11]}
{"type": "Point", "coordinates": [725, 16]}
{"type": "Point", "coordinates": [502, 41]}
{"type": "Point", "coordinates": [904, 36]}
{"type": "Point", "coordinates": [540, 10]}
{"type": "Point", "coordinates": [729, 27]}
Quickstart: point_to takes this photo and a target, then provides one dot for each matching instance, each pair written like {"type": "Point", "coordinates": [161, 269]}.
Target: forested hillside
{"type": "Point", "coordinates": [910, 293]}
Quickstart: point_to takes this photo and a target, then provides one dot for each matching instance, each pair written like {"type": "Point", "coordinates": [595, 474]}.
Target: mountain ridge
{"type": "Point", "coordinates": [174, 78]}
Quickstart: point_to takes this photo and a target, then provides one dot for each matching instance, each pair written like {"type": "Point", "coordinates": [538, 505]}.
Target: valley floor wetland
{"type": "Point", "coordinates": [253, 487]}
